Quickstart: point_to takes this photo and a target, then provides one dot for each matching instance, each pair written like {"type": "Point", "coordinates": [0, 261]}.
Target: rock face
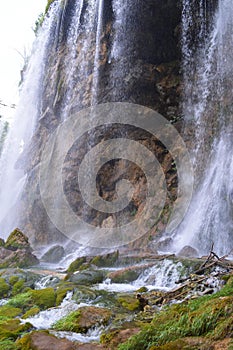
{"type": "Point", "coordinates": [139, 62]}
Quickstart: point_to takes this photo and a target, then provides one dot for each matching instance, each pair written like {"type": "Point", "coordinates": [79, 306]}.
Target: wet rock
{"type": "Point", "coordinates": [188, 252]}
{"type": "Point", "coordinates": [54, 254]}
{"type": "Point", "coordinates": [86, 277]}
{"type": "Point", "coordinates": [128, 274]}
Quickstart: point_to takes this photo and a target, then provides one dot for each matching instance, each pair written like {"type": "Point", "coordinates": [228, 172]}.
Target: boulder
{"type": "Point", "coordinates": [83, 319]}
{"type": "Point", "coordinates": [86, 277]}
{"type": "Point", "coordinates": [188, 252]}
{"type": "Point", "coordinates": [18, 240]}
{"type": "Point", "coordinates": [54, 254]}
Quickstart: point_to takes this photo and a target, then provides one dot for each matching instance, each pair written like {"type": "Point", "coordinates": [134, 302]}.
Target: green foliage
{"type": "Point", "coordinates": [8, 345]}
{"type": "Point", "coordinates": [22, 301]}
{"type": "Point", "coordinates": [208, 316]}
{"type": "Point", "coordinates": [49, 3]}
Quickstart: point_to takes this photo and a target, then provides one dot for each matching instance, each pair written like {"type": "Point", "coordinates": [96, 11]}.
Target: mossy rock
{"type": "Point", "coordinates": [124, 276]}
{"type": "Point", "coordinates": [84, 294]}
{"type": "Point", "coordinates": [7, 311]}
{"type": "Point", "coordinates": [4, 288]}
{"type": "Point", "coordinates": [30, 313]}
{"type": "Point", "coordinates": [13, 275]}
{"type": "Point", "coordinates": [142, 290]}
{"type": "Point", "coordinates": [87, 277]}
{"type": "Point", "coordinates": [107, 260]}
{"type": "Point", "coordinates": [83, 319]}
{"type": "Point", "coordinates": [13, 280]}
{"type": "Point", "coordinates": [129, 302]}
{"type": "Point", "coordinates": [18, 287]}
{"type": "Point", "coordinates": [43, 298]}
{"type": "Point", "coordinates": [2, 242]}
{"type": "Point", "coordinates": [17, 240]}
{"type": "Point", "coordinates": [61, 293]}
{"type": "Point", "coordinates": [11, 329]}
{"type": "Point", "coordinates": [77, 265]}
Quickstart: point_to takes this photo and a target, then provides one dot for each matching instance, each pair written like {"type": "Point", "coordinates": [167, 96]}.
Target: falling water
{"type": "Point", "coordinates": [12, 178]}
{"type": "Point", "coordinates": [208, 73]}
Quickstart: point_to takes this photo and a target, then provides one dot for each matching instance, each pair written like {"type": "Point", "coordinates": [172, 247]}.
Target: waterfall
{"type": "Point", "coordinates": [207, 107]}
{"type": "Point", "coordinates": [12, 177]}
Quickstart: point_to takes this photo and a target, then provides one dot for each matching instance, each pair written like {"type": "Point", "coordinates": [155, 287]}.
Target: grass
{"type": "Point", "coordinates": [209, 316]}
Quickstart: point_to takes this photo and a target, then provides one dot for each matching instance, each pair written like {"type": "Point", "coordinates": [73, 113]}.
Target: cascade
{"type": "Point", "coordinates": [12, 177]}
{"type": "Point", "coordinates": [207, 107]}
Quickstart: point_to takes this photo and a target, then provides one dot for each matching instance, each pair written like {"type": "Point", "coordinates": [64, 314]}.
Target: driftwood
{"type": "Point", "coordinates": [190, 283]}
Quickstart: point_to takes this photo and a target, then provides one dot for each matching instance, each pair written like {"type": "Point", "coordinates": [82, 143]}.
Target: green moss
{"type": "Point", "coordinates": [129, 302]}
{"type": "Point", "coordinates": [8, 345]}
{"type": "Point", "coordinates": [11, 329]}
{"type": "Point", "coordinates": [22, 301]}
{"type": "Point", "coordinates": [32, 312]}
{"type": "Point", "coordinates": [7, 311]}
{"type": "Point", "coordinates": [208, 316]}
{"type": "Point", "coordinates": [4, 288]}
{"type": "Point", "coordinates": [142, 290]}
{"type": "Point", "coordinates": [83, 319]}
{"type": "Point", "coordinates": [13, 280]}
{"type": "Point", "coordinates": [61, 293]}
{"type": "Point", "coordinates": [106, 338]}
{"type": "Point", "coordinates": [76, 265]}
{"type": "Point", "coordinates": [17, 240]}
{"type": "Point", "coordinates": [49, 3]}
{"type": "Point", "coordinates": [24, 343]}
{"type": "Point", "coordinates": [44, 298]}
{"type": "Point", "coordinates": [18, 287]}
{"type": "Point", "coordinates": [230, 346]}
{"type": "Point", "coordinates": [107, 260]}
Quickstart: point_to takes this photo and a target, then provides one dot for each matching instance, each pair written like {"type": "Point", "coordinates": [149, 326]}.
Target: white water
{"type": "Point", "coordinates": [208, 109]}
{"type": "Point", "coordinates": [45, 319]}
{"type": "Point", "coordinates": [162, 276]}
{"type": "Point", "coordinates": [12, 179]}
